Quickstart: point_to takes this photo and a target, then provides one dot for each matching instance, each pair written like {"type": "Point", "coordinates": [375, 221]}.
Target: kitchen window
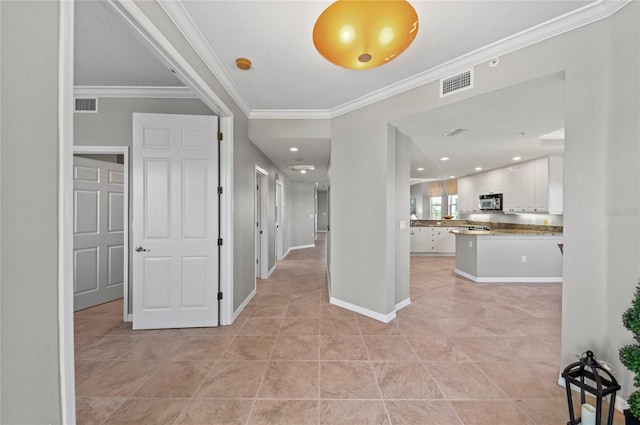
{"type": "Point", "coordinates": [435, 204]}
{"type": "Point", "coordinates": [453, 206]}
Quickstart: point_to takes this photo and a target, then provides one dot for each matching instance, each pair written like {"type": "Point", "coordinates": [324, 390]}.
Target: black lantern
{"type": "Point", "coordinates": [588, 375]}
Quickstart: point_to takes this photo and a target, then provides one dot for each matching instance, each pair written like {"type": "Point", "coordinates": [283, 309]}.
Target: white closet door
{"type": "Point", "coordinates": [98, 232]}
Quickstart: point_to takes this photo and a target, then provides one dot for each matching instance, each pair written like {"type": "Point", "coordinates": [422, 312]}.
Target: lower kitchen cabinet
{"type": "Point", "coordinates": [433, 239]}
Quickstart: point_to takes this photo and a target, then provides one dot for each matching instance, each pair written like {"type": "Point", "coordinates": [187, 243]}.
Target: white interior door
{"type": "Point", "coordinates": [279, 221]}
{"type": "Point", "coordinates": [98, 232]}
{"type": "Point", "coordinates": [175, 221]}
{"type": "Point", "coordinates": [258, 214]}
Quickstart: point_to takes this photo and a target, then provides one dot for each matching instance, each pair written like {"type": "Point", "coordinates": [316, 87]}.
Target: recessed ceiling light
{"type": "Point", "coordinates": [478, 168]}
{"type": "Point", "coordinates": [303, 171]}
{"type": "Point", "coordinates": [445, 158]}
{"type": "Point", "coordinates": [454, 131]}
{"type": "Point", "coordinates": [294, 149]}
{"type": "Point", "coordinates": [517, 158]}
{"type": "Point", "coordinates": [420, 169]}
{"type": "Point", "coordinates": [452, 177]}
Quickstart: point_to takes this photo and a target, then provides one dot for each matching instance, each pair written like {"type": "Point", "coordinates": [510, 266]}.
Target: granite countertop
{"type": "Point", "coordinates": [508, 232]}
{"type": "Point", "coordinates": [493, 228]}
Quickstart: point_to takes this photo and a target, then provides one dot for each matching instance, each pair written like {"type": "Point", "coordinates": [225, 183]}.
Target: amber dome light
{"type": "Point", "coordinates": [362, 34]}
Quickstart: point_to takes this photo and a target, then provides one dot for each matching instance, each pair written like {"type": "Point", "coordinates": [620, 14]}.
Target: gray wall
{"type": "Point", "coordinates": [323, 210]}
{"type": "Point", "coordinates": [302, 218]}
{"type": "Point", "coordinates": [30, 384]}
{"type": "Point", "coordinates": [112, 125]}
{"type": "Point", "coordinates": [403, 247]}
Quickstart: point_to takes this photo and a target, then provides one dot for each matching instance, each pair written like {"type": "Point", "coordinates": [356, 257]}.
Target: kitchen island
{"type": "Point", "coordinates": [508, 255]}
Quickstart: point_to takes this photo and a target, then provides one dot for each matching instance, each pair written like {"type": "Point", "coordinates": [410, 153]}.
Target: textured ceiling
{"type": "Point", "coordinates": [289, 75]}
{"type": "Point", "coordinates": [107, 54]}
{"type": "Point", "coordinates": [499, 125]}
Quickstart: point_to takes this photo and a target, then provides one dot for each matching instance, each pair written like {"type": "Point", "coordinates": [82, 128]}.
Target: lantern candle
{"type": "Point", "coordinates": [588, 415]}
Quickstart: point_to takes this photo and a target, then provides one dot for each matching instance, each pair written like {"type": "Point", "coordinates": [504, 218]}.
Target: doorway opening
{"type": "Point", "coordinates": [279, 239]}
{"type": "Point", "coordinates": [100, 226]}
{"type": "Point", "coordinates": [260, 217]}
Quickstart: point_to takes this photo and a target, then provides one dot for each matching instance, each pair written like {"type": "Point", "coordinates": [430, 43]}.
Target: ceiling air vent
{"type": "Point", "coordinates": [456, 83]}
{"type": "Point", "coordinates": [86, 104]}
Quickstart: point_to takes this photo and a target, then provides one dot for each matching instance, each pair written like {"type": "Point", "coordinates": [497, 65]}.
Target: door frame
{"type": "Point", "coordinates": [117, 150]}
{"type": "Point", "coordinates": [279, 235]}
{"type": "Point", "coordinates": [151, 37]}
{"type": "Point", "coordinates": [263, 193]}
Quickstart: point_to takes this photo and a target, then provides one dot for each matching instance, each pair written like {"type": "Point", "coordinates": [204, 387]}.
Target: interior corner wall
{"type": "Point", "coordinates": [402, 218]}
{"type": "Point", "coordinates": [112, 125]}
{"type": "Point", "coordinates": [621, 208]}
{"type": "Point", "coordinates": [302, 216]}
{"type": "Point", "coordinates": [29, 360]}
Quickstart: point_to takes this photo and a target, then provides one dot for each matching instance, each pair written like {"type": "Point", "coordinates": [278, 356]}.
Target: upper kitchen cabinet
{"type": "Point", "coordinates": [467, 195]}
{"type": "Point", "coordinates": [489, 182]}
{"type": "Point", "coordinates": [534, 186]}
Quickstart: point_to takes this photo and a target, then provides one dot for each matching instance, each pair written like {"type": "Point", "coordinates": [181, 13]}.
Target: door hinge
{"type": "Point", "coordinates": [220, 135]}
{"type": "Point", "coordinates": [219, 296]}
{"type": "Point", "coordinates": [256, 261]}
{"type": "Point", "coordinates": [219, 190]}
{"type": "Point", "coordinates": [219, 241]}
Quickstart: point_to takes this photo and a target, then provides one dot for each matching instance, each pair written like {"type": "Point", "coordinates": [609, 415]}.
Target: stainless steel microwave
{"type": "Point", "coordinates": [491, 202]}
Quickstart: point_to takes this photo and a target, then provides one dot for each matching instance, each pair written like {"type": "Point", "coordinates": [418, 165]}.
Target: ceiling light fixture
{"type": "Point", "coordinates": [303, 171]}
{"type": "Point", "coordinates": [444, 158]}
{"type": "Point", "coordinates": [420, 169]}
{"type": "Point", "coordinates": [243, 63]}
{"type": "Point", "coordinates": [294, 149]}
{"type": "Point", "coordinates": [454, 131]}
{"type": "Point", "coordinates": [517, 158]}
{"type": "Point", "coordinates": [478, 168]}
{"type": "Point", "coordinates": [365, 34]}
{"type": "Point", "coordinates": [304, 168]}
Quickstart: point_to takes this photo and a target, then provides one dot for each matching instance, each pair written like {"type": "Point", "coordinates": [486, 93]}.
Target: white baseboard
{"type": "Point", "coordinates": [509, 279]}
{"type": "Point", "coordinates": [301, 247]}
{"type": "Point", "coordinates": [273, 269]}
{"type": "Point", "coordinates": [620, 403]}
{"type": "Point", "coordinates": [129, 317]}
{"type": "Point", "coordinates": [244, 304]}
{"type": "Point", "coordinates": [364, 311]}
{"type": "Point", "coordinates": [402, 304]}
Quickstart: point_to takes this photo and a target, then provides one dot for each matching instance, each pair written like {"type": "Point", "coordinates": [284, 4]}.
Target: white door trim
{"type": "Point", "coordinates": [117, 150]}
{"type": "Point", "coordinates": [65, 213]}
{"type": "Point", "coordinates": [263, 192]}
{"type": "Point", "coordinates": [280, 221]}
{"type": "Point", "coordinates": [152, 38]}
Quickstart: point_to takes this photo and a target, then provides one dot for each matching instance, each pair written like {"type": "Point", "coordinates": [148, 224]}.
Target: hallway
{"type": "Point", "coordinates": [461, 353]}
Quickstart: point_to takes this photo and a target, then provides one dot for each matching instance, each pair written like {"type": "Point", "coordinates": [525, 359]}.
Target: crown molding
{"type": "Point", "coordinates": [181, 18]}
{"type": "Point", "coordinates": [585, 15]}
{"type": "Point", "coordinates": [134, 92]}
{"type": "Point", "coordinates": [575, 19]}
{"type": "Point", "coordinates": [288, 114]}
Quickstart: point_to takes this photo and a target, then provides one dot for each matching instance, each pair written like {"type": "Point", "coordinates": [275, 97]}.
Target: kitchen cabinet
{"type": "Point", "coordinates": [488, 182]}
{"type": "Point", "coordinates": [446, 240]}
{"type": "Point", "coordinates": [467, 197]}
{"type": "Point", "coordinates": [534, 186]}
{"type": "Point", "coordinates": [432, 239]}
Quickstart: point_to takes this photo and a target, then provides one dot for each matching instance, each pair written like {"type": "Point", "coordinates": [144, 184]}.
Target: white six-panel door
{"type": "Point", "coordinates": [98, 232]}
{"type": "Point", "coordinates": [175, 221]}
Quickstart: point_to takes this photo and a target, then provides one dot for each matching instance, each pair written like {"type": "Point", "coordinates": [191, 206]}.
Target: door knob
{"type": "Point", "coordinates": [141, 249]}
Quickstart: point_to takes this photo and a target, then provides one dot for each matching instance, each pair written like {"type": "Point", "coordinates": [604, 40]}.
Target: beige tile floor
{"type": "Point", "coordinates": [461, 353]}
